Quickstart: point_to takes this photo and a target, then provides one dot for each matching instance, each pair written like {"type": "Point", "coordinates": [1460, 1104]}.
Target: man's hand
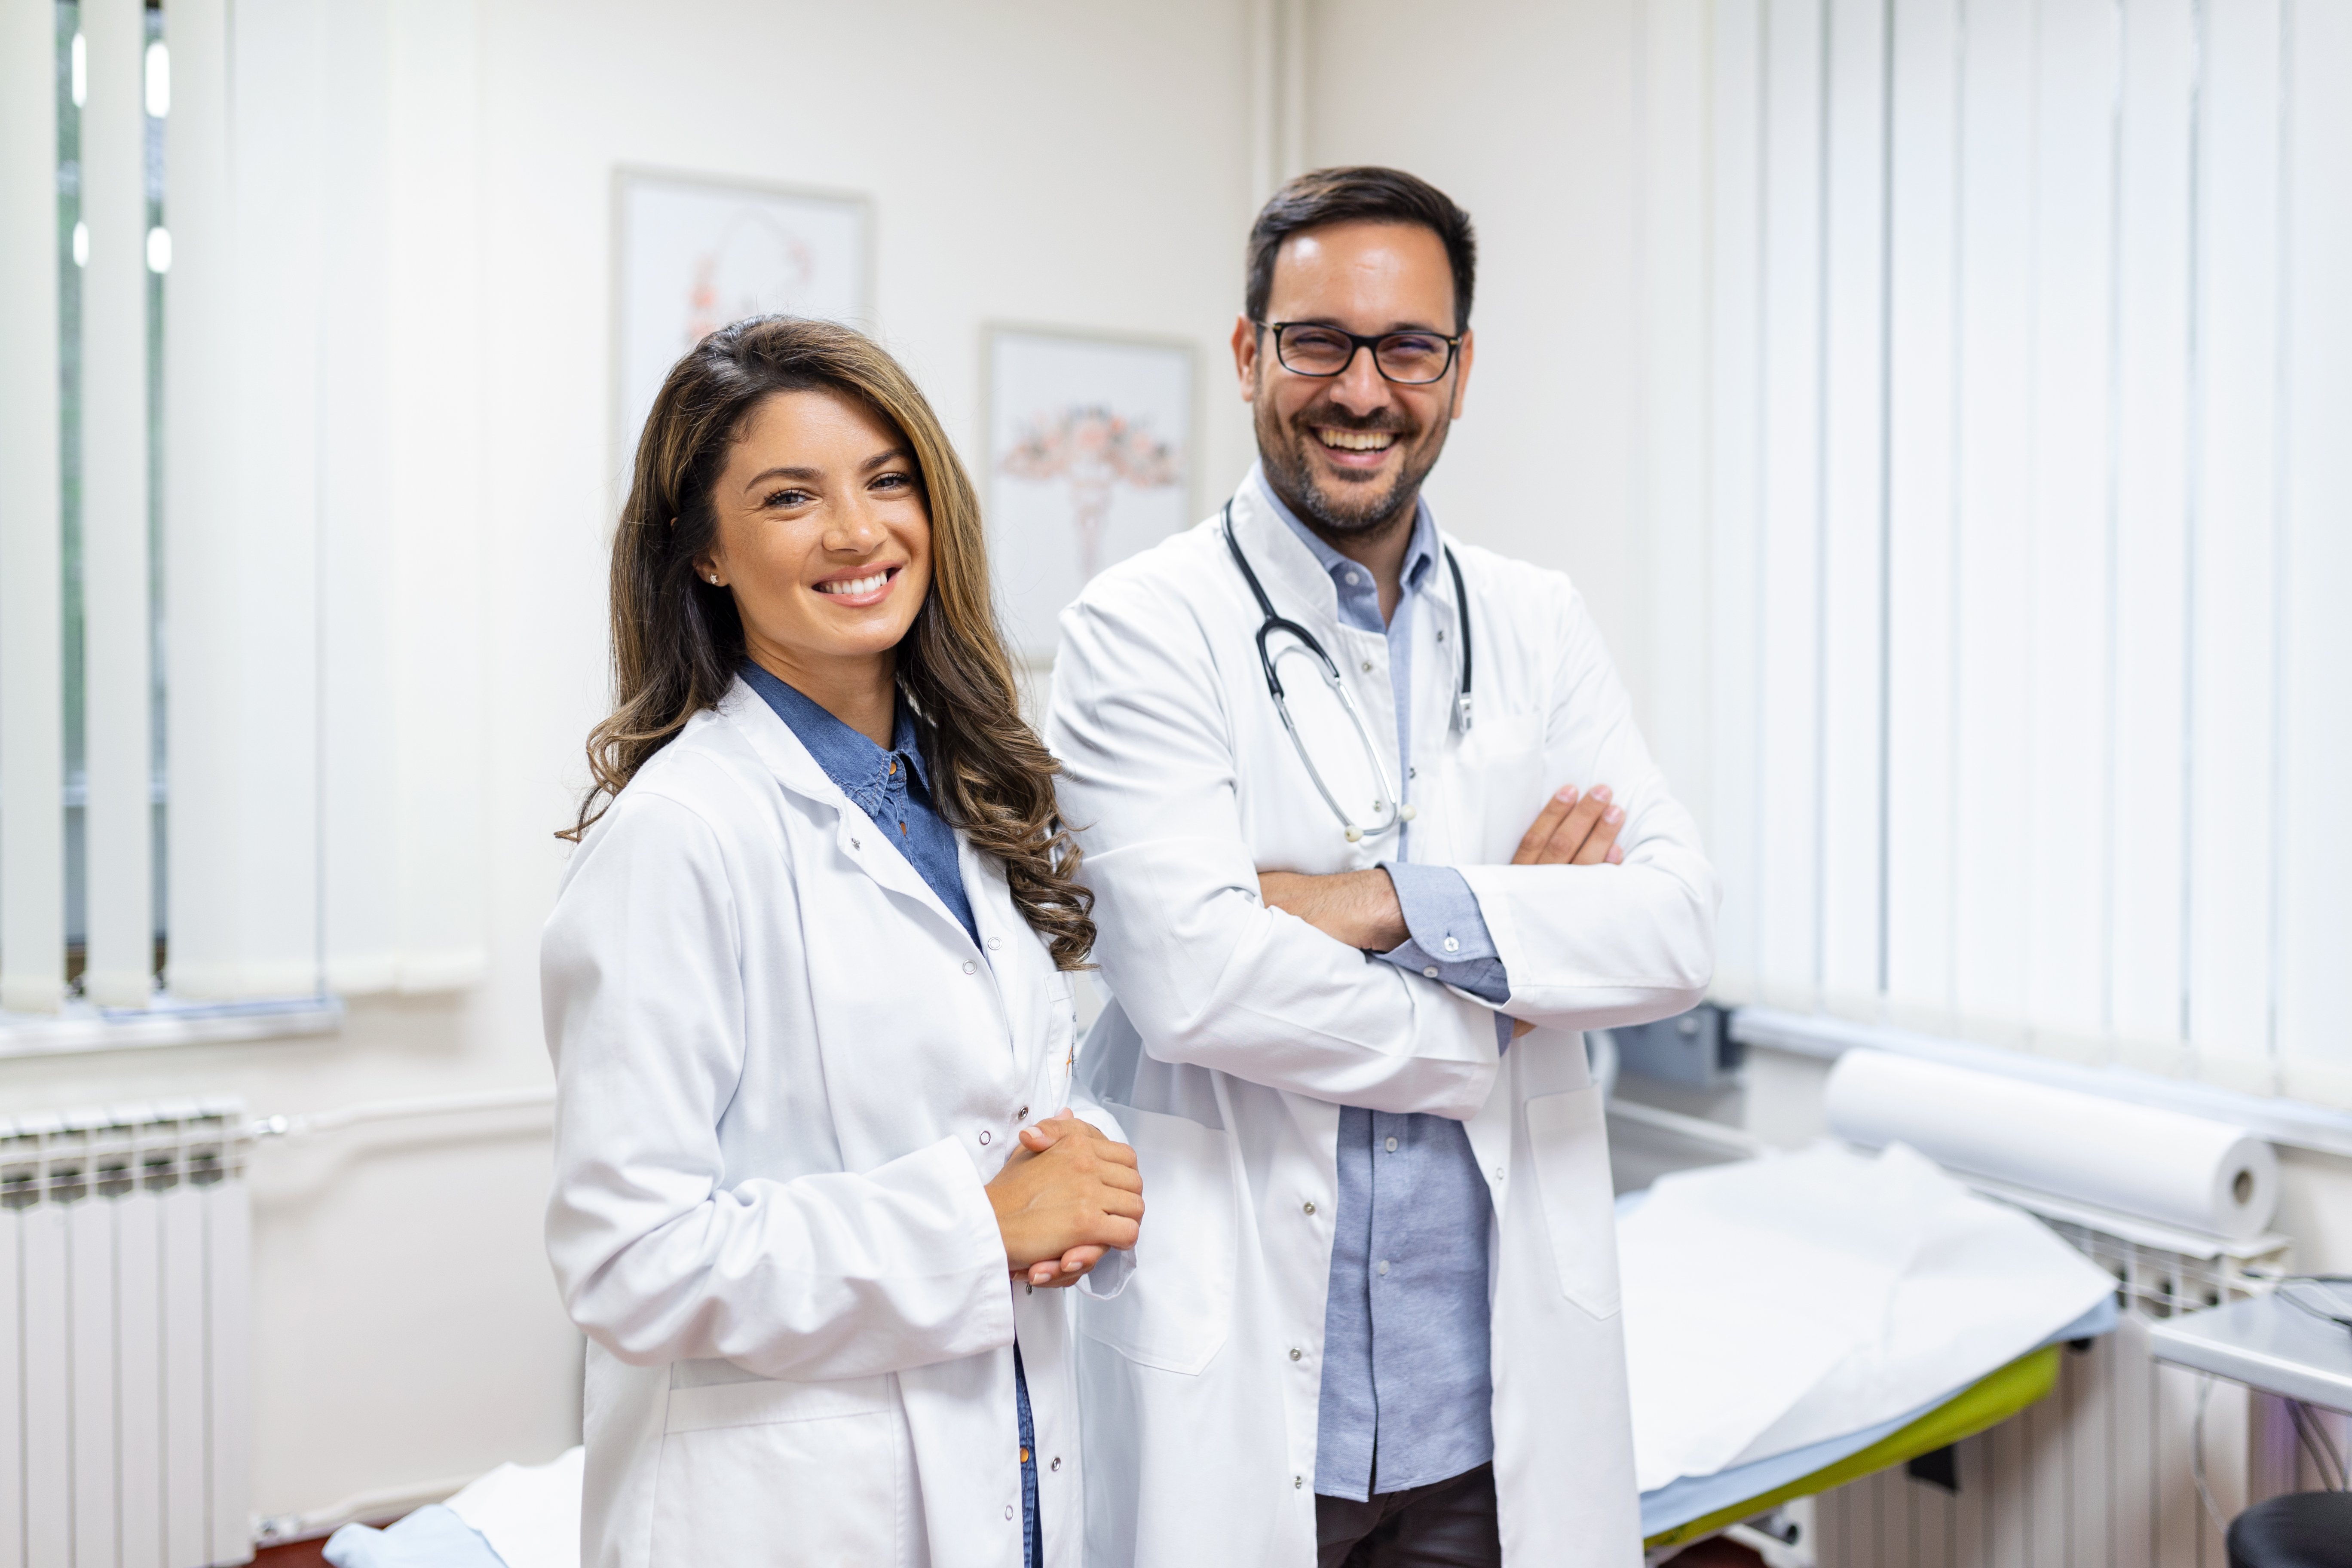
{"type": "Point", "coordinates": [1573, 830]}
{"type": "Point", "coordinates": [1063, 1197]}
{"type": "Point", "coordinates": [1358, 907]}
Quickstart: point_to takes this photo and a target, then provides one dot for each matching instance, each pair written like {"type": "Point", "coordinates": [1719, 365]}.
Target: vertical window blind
{"type": "Point", "coordinates": [2000, 367]}
{"type": "Point", "coordinates": [240, 734]}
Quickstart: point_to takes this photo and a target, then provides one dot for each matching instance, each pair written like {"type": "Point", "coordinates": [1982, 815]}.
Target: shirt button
{"type": "Point", "coordinates": [1451, 945]}
{"type": "Point", "coordinates": [1355, 579]}
{"type": "Point", "coordinates": [969, 967]}
{"type": "Point", "coordinates": [1384, 1265]}
{"type": "Point", "coordinates": [1295, 1353]}
{"type": "Point", "coordinates": [1391, 1145]}
{"type": "Point", "coordinates": [1430, 972]}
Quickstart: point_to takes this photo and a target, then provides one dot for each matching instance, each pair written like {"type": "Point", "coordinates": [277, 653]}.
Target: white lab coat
{"type": "Point", "coordinates": [1238, 1031]}
{"type": "Point", "coordinates": [784, 1073]}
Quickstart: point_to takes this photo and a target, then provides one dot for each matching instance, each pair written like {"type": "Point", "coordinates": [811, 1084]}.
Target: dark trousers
{"type": "Point", "coordinates": [1446, 1524]}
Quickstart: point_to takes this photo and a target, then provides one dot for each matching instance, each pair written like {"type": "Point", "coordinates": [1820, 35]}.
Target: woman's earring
{"type": "Point", "coordinates": [714, 579]}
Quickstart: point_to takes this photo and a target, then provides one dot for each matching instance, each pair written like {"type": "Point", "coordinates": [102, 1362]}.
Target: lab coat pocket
{"type": "Point", "coordinates": [1568, 1141]}
{"type": "Point", "coordinates": [1495, 781]}
{"type": "Point", "coordinates": [1178, 1306]}
{"type": "Point", "coordinates": [749, 1462]}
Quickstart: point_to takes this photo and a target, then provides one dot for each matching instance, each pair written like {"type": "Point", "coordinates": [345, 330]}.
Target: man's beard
{"type": "Point", "coordinates": [1355, 512]}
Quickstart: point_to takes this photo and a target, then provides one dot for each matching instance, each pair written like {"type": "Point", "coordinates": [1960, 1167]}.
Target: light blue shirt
{"type": "Point", "coordinates": [1406, 1385]}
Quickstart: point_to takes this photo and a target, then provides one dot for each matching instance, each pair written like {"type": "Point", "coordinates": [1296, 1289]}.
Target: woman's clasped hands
{"type": "Point", "coordinates": [1065, 1196]}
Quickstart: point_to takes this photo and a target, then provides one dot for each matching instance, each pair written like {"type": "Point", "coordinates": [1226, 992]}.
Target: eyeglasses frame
{"type": "Point", "coordinates": [1360, 343]}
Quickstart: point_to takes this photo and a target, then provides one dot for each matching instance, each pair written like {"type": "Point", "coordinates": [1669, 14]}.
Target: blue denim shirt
{"type": "Point", "coordinates": [1406, 1385]}
{"type": "Point", "coordinates": [892, 788]}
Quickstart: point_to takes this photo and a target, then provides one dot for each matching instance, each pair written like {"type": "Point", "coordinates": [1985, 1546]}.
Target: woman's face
{"type": "Point", "coordinates": [823, 535]}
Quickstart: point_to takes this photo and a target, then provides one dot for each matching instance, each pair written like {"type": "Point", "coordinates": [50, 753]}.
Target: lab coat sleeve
{"type": "Point", "coordinates": [1208, 974]}
{"type": "Point", "coordinates": [1589, 947]}
{"type": "Point", "coordinates": [832, 1274]}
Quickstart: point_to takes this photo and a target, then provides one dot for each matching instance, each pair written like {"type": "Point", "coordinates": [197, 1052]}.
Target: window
{"type": "Point", "coordinates": [1998, 352]}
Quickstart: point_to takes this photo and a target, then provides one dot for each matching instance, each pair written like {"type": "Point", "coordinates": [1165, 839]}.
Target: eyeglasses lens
{"type": "Point", "coordinates": [1409, 358]}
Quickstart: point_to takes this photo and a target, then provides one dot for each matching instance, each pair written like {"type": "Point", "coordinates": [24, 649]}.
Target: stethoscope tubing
{"type": "Point", "coordinates": [1396, 813]}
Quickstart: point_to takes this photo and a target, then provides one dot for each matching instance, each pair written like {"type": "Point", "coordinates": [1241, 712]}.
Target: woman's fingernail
{"type": "Point", "coordinates": [1567, 793]}
{"type": "Point", "coordinates": [1614, 813]}
{"type": "Point", "coordinates": [1600, 792]}
{"type": "Point", "coordinates": [1616, 855]}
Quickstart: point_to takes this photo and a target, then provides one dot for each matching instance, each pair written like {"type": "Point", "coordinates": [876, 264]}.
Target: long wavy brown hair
{"type": "Point", "coordinates": [677, 641]}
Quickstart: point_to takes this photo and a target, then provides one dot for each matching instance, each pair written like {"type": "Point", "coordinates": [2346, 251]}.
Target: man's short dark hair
{"type": "Point", "coordinates": [1360, 193]}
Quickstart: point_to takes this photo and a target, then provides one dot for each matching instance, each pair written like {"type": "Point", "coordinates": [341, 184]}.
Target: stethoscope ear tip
{"type": "Point", "coordinates": [1406, 812]}
{"type": "Point", "coordinates": [1354, 833]}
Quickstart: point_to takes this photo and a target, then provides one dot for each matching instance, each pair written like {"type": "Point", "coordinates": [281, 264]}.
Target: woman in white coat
{"type": "Point", "coordinates": [807, 990]}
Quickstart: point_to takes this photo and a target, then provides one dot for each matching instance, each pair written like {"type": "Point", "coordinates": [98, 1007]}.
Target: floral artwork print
{"type": "Point", "coordinates": [1094, 448]}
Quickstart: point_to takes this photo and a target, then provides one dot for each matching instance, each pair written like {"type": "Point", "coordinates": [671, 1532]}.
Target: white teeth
{"type": "Point", "coordinates": [855, 586]}
{"type": "Point", "coordinates": [1358, 440]}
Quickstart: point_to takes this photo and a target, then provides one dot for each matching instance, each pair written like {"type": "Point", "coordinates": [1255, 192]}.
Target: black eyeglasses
{"type": "Point", "coordinates": [1408, 359]}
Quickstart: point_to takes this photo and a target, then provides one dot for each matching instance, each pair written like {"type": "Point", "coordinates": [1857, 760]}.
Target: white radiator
{"type": "Point", "coordinates": [125, 1370]}
{"type": "Point", "coordinates": [2102, 1474]}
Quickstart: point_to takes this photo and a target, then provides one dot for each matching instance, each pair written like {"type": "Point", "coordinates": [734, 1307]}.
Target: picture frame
{"type": "Point", "coordinates": [1091, 452]}
{"type": "Point", "coordinates": [692, 252]}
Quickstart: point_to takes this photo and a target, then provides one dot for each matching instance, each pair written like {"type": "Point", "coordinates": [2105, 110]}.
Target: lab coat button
{"type": "Point", "coordinates": [1297, 1483]}
{"type": "Point", "coordinates": [969, 967]}
{"type": "Point", "coordinates": [1368, 667]}
{"type": "Point", "coordinates": [1022, 1114]}
{"type": "Point", "coordinates": [1310, 1206]}
{"type": "Point", "coordinates": [1008, 1511]}
{"type": "Point", "coordinates": [1057, 1462]}
{"type": "Point", "coordinates": [1295, 1352]}
{"type": "Point", "coordinates": [994, 942]}
{"type": "Point", "coordinates": [984, 1136]}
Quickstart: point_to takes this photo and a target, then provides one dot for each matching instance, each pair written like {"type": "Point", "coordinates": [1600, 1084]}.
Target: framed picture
{"type": "Point", "coordinates": [1090, 459]}
{"type": "Point", "coordinates": [692, 255]}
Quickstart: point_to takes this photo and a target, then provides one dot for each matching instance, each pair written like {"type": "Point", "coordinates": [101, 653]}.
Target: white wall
{"type": "Point", "coordinates": [1523, 112]}
{"type": "Point", "coordinates": [1056, 164]}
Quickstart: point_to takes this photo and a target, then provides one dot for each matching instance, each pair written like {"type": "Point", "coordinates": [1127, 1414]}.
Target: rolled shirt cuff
{"type": "Point", "coordinates": [1448, 941]}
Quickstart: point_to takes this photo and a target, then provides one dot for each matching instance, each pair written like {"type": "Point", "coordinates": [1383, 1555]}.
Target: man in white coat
{"type": "Point", "coordinates": [1372, 836]}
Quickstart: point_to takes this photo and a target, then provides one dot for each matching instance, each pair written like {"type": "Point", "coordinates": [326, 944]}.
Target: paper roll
{"type": "Point", "coordinates": [2161, 1165]}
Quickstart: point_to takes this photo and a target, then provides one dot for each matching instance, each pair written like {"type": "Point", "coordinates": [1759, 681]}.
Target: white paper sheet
{"type": "Point", "coordinates": [529, 1513]}
{"type": "Point", "coordinates": [1774, 1302]}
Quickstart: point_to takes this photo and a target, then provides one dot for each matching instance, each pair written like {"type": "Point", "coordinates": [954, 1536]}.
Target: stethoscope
{"type": "Point", "coordinates": [1395, 812]}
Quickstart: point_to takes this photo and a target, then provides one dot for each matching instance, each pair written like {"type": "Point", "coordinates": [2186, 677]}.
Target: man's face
{"type": "Point", "coordinates": [1350, 451]}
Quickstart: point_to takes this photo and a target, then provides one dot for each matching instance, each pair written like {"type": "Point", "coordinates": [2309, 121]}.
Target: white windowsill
{"type": "Point", "coordinates": [167, 1022]}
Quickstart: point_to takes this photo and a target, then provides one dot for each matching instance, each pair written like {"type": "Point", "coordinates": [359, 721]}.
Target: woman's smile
{"type": "Point", "coordinates": [862, 586]}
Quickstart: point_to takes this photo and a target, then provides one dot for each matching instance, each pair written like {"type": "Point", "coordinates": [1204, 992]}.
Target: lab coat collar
{"type": "Point", "coordinates": [1419, 552]}
{"type": "Point", "coordinates": [788, 758]}
{"type": "Point", "coordinates": [1299, 581]}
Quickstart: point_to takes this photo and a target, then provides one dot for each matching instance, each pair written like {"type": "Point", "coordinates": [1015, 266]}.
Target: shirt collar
{"type": "Point", "coordinates": [849, 758]}
{"type": "Point", "coordinates": [1420, 552]}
